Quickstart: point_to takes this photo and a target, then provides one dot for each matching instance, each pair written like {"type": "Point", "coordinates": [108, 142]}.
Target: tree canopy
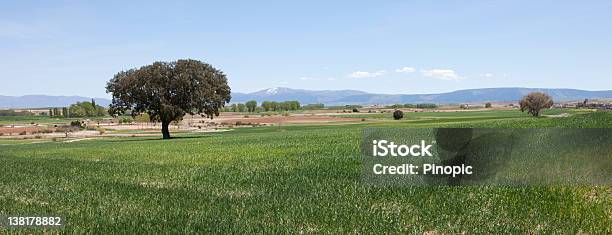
{"type": "Point", "coordinates": [534, 102]}
{"type": "Point", "coordinates": [166, 91]}
{"type": "Point", "coordinates": [82, 109]}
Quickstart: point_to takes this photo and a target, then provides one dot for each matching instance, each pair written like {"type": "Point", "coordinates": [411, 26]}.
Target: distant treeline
{"type": "Point", "coordinates": [85, 109]}
{"type": "Point", "coordinates": [418, 106]}
{"type": "Point", "coordinates": [80, 109]}
{"type": "Point", "coordinates": [251, 106]}
{"type": "Point", "coordinates": [4, 113]}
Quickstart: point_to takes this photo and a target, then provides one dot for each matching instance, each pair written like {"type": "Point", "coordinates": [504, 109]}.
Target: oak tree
{"type": "Point", "coordinates": [166, 91]}
{"type": "Point", "coordinates": [534, 102]}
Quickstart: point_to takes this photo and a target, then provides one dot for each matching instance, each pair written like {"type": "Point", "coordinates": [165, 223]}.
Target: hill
{"type": "Point", "coordinates": [44, 101]}
{"type": "Point", "coordinates": [338, 97]}
{"type": "Point", "coordinates": [341, 97]}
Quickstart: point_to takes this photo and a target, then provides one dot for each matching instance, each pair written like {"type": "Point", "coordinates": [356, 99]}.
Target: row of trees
{"type": "Point", "coordinates": [419, 106]}
{"type": "Point", "coordinates": [280, 106]}
{"type": "Point", "coordinates": [80, 109]}
{"type": "Point", "coordinates": [15, 113]}
{"type": "Point", "coordinates": [251, 106]}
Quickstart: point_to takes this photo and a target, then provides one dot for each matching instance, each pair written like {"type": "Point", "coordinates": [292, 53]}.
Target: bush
{"type": "Point", "coordinates": [126, 120]}
{"type": "Point", "coordinates": [395, 106]}
{"type": "Point", "coordinates": [23, 133]}
{"type": "Point", "coordinates": [76, 123]}
{"type": "Point", "coordinates": [355, 110]}
{"type": "Point", "coordinates": [398, 114]}
{"type": "Point", "coordinates": [488, 105]}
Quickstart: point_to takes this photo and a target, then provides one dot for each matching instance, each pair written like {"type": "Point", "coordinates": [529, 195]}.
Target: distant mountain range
{"type": "Point", "coordinates": [342, 97]}
{"type": "Point", "coordinates": [338, 97]}
{"type": "Point", "coordinates": [45, 101]}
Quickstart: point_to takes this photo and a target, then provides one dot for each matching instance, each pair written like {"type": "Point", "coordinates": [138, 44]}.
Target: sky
{"type": "Point", "coordinates": [394, 47]}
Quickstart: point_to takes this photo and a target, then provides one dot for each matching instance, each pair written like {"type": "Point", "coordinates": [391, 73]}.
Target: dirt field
{"type": "Point", "coordinates": [18, 129]}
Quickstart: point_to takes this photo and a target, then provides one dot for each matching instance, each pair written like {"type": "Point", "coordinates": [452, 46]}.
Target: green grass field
{"type": "Point", "coordinates": [291, 179]}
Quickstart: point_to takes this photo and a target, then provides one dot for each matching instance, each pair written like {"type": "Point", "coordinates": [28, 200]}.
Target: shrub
{"type": "Point", "coordinates": [47, 131]}
{"type": "Point", "coordinates": [398, 114]}
{"type": "Point", "coordinates": [488, 105]}
{"type": "Point", "coordinates": [38, 137]}
{"type": "Point", "coordinates": [23, 133]}
{"type": "Point", "coordinates": [355, 110]}
{"type": "Point", "coordinates": [76, 123]}
{"type": "Point", "coordinates": [534, 102]}
{"type": "Point", "coordinates": [126, 120]}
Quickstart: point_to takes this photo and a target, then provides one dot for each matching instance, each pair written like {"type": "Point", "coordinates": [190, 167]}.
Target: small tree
{"type": "Point", "coordinates": [398, 114]}
{"type": "Point", "coordinates": [169, 90]}
{"type": "Point", "coordinates": [51, 112]}
{"type": "Point", "coordinates": [266, 105]}
{"type": "Point", "coordinates": [534, 102]}
{"type": "Point", "coordinates": [251, 105]}
{"type": "Point", "coordinates": [488, 105]}
{"type": "Point", "coordinates": [241, 107]}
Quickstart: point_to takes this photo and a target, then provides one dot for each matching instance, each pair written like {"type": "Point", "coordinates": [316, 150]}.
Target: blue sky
{"type": "Point", "coordinates": [74, 47]}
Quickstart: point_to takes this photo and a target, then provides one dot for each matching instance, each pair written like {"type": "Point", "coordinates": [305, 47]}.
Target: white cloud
{"type": "Point", "coordinates": [363, 74]}
{"type": "Point", "coordinates": [406, 70]}
{"type": "Point", "coordinates": [488, 75]}
{"type": "Point", "coordinates": [443, 74]}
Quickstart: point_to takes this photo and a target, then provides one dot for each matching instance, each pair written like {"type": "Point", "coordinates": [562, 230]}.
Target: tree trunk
{"type": "Point", "coordinates": [165, 131]}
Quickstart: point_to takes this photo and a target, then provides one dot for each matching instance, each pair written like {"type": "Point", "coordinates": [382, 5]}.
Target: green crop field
{"type": "Point", "coordinates": [289, 179]}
